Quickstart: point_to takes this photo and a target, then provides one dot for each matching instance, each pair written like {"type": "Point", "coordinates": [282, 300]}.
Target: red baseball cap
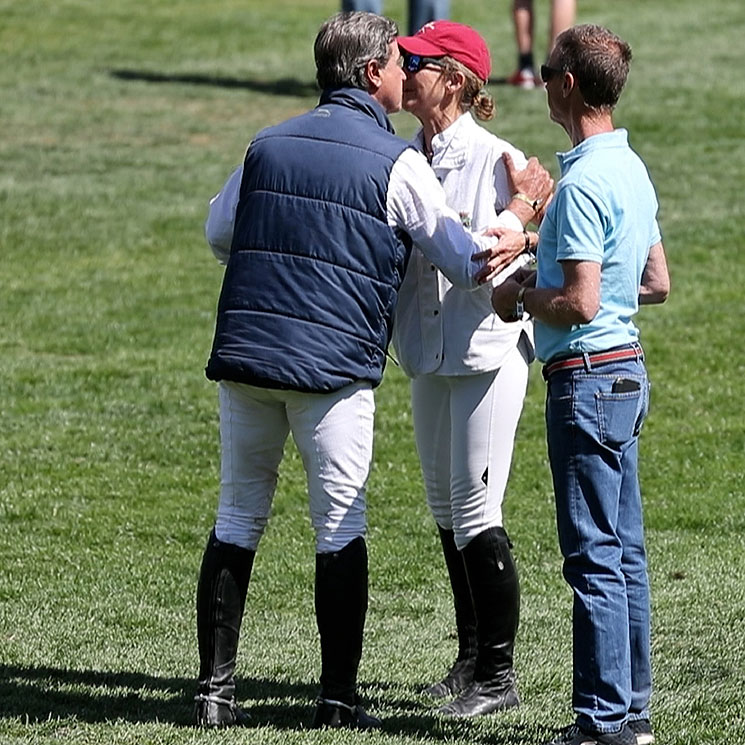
{"type": "Point", "coordinates": [456, 40]}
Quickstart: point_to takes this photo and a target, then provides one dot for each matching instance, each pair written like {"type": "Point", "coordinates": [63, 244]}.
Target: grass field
{"type": "Point", "coordinates": [119, 121]}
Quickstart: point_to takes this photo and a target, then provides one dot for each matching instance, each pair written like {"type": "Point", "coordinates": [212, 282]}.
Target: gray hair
{"type": "Point", "coordinates": [346, 42]}
{"type": "Point", "coordinates": [598, 59]}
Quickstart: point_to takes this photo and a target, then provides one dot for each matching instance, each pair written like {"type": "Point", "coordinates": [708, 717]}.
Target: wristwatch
{"type": "Point", "coordinates": [535, 204]}
{"type": "Point", "coordinates": [519, 304]}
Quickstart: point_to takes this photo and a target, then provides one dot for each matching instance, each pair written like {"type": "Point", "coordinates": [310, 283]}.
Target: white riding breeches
{"type": "Point", "coordinates": [465, 430]}
{"type": "Point", "coordinates": [334, 435]}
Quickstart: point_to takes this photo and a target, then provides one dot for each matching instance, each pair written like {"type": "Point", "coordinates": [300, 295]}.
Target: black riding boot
{"type": "Point", "coordinates": [221, 597]}
{"type": "Point", "coordinates": [461, 673]}
{"type": "Point", "coordinates": [341, 606]}
{"type": "Point", "coordinates": [495, 590]}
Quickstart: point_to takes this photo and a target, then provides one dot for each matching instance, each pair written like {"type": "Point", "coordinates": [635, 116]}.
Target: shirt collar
{"type": "Point", "coordinates": [450, 147]}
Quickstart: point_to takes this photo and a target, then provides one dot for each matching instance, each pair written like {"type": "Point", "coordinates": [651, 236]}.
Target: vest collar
{"type": "Point", "coordinates": [354, 98]}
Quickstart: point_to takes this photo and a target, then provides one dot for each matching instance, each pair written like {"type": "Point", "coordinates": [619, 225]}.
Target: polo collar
{"type": "Point", "coordinates": [605, 141]}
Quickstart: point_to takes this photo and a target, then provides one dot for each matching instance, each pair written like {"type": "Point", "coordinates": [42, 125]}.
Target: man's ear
{"type": "Point", "coordinates": [568, 84]}
{"type": "Point", "coordinates": [372, 73]}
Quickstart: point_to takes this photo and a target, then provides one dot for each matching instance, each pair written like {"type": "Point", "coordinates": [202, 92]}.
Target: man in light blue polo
{"type": "Point", "coordinates": [599, 256]}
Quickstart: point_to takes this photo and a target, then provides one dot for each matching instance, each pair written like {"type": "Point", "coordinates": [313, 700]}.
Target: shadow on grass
{"type": "Point", "coordinates": [504, 81]}
{"type": "Point", "coordinates": [47, 693]}
{"type": "Point", "coordinates": [282, 87]}
{"type": "Point", "coordinates": [42, 694]}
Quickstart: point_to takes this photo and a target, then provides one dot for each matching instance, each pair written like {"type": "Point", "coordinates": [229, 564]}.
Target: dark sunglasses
{"type": "Point", "coordinates": [414, 63]}
{"type": "Point", "coordinates": [548, 72]}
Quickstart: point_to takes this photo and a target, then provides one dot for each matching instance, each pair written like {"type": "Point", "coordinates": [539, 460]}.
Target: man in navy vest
{"type": "Point", "coordinates": [315, 230]}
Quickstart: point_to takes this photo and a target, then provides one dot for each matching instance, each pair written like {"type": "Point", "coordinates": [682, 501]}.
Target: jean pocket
{"type": "Point", "coordinates": [619, 417]}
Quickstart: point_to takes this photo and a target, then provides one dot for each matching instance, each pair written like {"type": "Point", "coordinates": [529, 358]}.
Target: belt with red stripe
{"type": "Point", "coordinates": [592, 359]}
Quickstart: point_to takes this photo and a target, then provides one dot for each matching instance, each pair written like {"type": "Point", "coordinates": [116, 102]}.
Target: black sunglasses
{"type": "Point", "coordinates": [414, 63]}
{"type": "Point", "coordinates": [548, 72]}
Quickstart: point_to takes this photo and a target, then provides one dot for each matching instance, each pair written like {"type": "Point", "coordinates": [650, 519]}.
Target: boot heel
{"type": "Point", "coordinates": [213, 713]}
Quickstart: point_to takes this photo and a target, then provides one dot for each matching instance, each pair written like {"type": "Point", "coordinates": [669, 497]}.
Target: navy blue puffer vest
{"type": "Point", "coordinates": [310, 288]}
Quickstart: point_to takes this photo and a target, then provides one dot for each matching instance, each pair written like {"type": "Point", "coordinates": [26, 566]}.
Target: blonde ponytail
{"type": "Point", "coordinates": [474, 95]}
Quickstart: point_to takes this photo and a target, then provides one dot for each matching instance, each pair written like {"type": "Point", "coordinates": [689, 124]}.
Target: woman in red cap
{"type": "Point", "coordinates": [469, 369]}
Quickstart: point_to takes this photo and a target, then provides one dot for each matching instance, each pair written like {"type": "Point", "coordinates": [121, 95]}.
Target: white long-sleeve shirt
{"type": "Point", "coordinates": [439, 328]}
{"type": "Point", "coordinates": [415, 203]}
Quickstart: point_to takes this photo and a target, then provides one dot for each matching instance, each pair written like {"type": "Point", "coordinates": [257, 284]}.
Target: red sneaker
{"type": "Point", "coordinates": [524, 78]}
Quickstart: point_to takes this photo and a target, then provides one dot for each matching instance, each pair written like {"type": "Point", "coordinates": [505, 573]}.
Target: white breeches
{"type": "Point", "coordinates": [465, 428]}
{"type": "Point", "coordinates": [334, 435]}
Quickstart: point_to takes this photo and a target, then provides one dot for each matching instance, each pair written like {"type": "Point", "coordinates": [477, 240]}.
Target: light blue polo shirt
{"type": "Point", "coordinates": [604, 210]}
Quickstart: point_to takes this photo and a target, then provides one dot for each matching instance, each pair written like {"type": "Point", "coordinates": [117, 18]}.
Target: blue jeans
{"type": "Point", "coordinates": [593, 423]}
{"type": "Point", "coordinates": [420, 11]}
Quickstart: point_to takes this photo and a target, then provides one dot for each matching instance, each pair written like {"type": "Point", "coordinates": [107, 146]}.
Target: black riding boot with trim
{"type": "Point", "coordinates": [221, 598]}
{"type": "Point", "coordinates": [341, 607]}
{"type": "Point", "coordinates": [495, 589]}
{"type": "Point", "coordinates": [460, 675]}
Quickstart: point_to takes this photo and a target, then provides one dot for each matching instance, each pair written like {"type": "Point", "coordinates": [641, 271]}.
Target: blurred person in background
{"type": "Point", "coordinates": [600, 256]}
{"type": "Point", "coordinates": [468, 369]}
{"type": "Point", "coordinates": [563, 13]}
{"type": "Point", "coordinates": [420, 11]}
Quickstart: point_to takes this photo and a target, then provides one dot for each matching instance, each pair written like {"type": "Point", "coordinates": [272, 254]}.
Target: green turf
{"type": "Point", "coordinates": [119, 121]}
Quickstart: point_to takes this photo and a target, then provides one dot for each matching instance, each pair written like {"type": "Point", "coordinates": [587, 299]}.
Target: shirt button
{"type": "Point", "coordinates": [435, 312]}
{"type": "Point", "coordinates": [432, 267]}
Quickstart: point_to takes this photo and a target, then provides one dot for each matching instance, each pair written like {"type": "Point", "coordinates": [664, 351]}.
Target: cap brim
{"type": "Point", "coordinates": [419, 45]}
